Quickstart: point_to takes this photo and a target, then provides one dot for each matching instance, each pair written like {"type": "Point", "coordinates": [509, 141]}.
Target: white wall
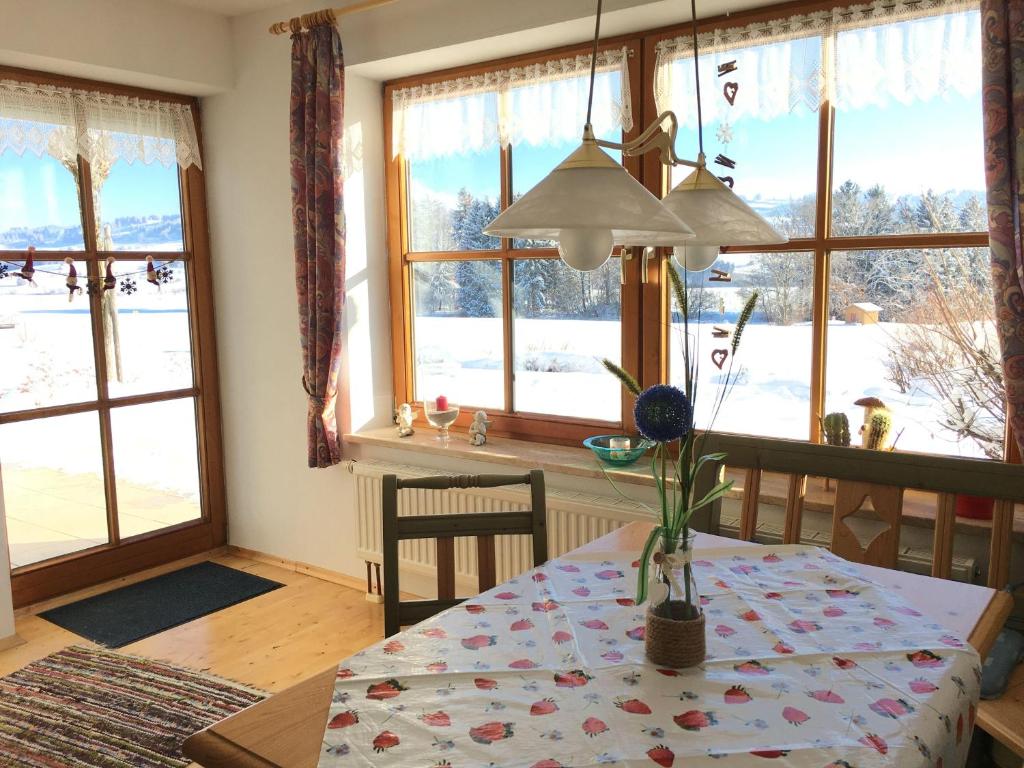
{"type": "Point", "coordinates": [277, 504]}
{"type": "Point", "coordinates": [134, 42]}
{"type": "Point", "coordinates": [6, 605]}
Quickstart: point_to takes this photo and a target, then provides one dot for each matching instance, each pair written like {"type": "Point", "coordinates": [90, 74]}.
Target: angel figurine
{"type": "Point", "coordinates": [405, 418]}
{"type": "Point", "coordinates": [478, 429]}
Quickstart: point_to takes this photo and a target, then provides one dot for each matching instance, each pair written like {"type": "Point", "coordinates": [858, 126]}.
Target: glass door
{"type": "Point", "coordinates": [107, 432]}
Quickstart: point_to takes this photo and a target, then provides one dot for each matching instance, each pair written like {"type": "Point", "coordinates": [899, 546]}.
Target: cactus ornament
{"type": "Point", "coordinates": [877, 427]}
{"type": "Point", "coordinates": [836, 428]}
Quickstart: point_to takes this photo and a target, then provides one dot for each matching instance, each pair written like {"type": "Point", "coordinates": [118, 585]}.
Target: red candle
{"type": "Point", "coordinates": [442, 403]}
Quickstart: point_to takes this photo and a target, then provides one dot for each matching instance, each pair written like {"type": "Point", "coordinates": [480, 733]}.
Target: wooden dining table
{"type": "Point", "coordinates": [287, 729]}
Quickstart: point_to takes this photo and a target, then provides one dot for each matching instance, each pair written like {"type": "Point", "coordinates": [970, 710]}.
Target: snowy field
{"type": "Point", "coordinates": [46, 348]}
{"type": "Point", "coordinates": [558, 370]}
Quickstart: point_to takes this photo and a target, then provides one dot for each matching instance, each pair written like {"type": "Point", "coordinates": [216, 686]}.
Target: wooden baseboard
{"type": "Point", "coordinates": [11, 642]}
{"type": "Point", "coordinates": [324, 574]}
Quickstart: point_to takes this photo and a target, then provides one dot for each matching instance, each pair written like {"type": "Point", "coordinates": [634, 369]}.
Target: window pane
{"type": "Point", "coordinates": [138, 207]}
{"type": "Point", "coordinates": [452, 198]}
{"type": "Point", "coordinates": [533, 160]}
{"type": "Point", "coordinates": [457, 332]}
{"type": "Point", "coordinates": [45, 341]}
{"type": "Point", "coordinates": [149, 345]}
{"type": "Point", "coordinates": [565, 323]}
{"type": "Point", "coordinates": [53, 487]}
{"type": "Point", "coordinates": [156, 463]}
{"type": "Point", "coordinates": [38, 203]}
{"type": "Point", "coordinates": [773, 144]}
{"type": "Point", "coordinates": [915, 328]}
{"type": "Point", "coordinates": [772, 369]}
{"type": "Point", "coordinates": [912, 162]}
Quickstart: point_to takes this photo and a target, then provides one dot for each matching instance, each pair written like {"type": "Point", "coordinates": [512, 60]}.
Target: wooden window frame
{"type": "Point", "coordinates": [821, 245]}
{"type": "Point", "coordinates": [647, 294]}
{"type": "Point", "coordinates": [516, 424]}
{"type": "Point", "coordinates": [118, 557]}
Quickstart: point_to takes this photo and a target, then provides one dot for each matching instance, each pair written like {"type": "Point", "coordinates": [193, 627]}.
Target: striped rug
{"type": "Point", "coordinates": [92, 708]}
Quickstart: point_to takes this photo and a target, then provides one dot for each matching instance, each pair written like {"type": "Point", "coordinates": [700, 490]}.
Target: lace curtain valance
{"type": "Point", "coordinates": [536, 104]}
{"type": "Point", "coordinates": [66, 122]}
{"type": "Point", "coordinates": [877, 56]}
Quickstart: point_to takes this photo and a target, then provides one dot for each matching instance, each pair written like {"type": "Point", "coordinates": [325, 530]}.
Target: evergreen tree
{"type": "Point", "coordinates": [479, 288]}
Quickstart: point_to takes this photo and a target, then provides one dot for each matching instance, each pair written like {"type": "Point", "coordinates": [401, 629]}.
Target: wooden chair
{"type": "Point", "coordinates": [444, 528]}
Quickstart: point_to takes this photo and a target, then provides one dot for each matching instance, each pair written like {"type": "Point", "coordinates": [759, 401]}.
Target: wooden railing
{"type": "Point", "coordinates": [880, 476]}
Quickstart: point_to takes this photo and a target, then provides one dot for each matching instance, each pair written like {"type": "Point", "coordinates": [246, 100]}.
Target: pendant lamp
{"type": "Point", "coordinates": [589, 203]}
{"type": "Point", "coordinates": [716, 214]}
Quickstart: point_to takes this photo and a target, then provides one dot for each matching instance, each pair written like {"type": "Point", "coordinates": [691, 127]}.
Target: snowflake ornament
{"type": "Point", "coordinates": [724, 133]}
{"type": "Point", "coordinates": [165, 274]}
{"type": "Point", "coordinates": [128, 286]}
{"type": "Point", "coordinates": [3, 271]}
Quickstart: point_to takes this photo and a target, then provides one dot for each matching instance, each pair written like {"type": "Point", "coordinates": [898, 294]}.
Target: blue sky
{"type": "Point", "coordinates": [906, 148]}
{"type": "Point", "coordinates": [36, 191]}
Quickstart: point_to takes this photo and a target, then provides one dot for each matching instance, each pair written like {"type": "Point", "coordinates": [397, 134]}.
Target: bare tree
{"type": "Point", "coordinates": [946, 342]}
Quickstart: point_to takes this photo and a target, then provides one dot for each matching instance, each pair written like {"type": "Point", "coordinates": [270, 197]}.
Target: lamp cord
{"type": "Point", "coordinates": [593, 61]}
{"type": "Point", "coordinates": [696, 76]}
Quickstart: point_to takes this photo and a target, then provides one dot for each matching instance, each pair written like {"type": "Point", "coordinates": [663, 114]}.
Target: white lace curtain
{"type": "Point", "coordinates": [899, 50]}
{"type": "Point", "coordinates": [536, 104]}
{"type": "Point", "coordinates": [65, 123]}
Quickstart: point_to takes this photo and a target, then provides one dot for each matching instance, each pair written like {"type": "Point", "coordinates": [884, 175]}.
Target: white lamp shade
{"type": "Point", "coordinates": [590, 191]}
{"type": "Point", "coordinates": [717, 215]}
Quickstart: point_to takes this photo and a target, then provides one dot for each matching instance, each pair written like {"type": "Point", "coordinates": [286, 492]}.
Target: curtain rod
{"type": "Point", "coordinates": [307, 20]}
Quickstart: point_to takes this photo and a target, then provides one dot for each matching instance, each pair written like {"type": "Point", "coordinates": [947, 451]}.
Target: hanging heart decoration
{"type": "Point", "coordinates": [718, 357]}
{"type": "Point", "coordinates": [729, 90]}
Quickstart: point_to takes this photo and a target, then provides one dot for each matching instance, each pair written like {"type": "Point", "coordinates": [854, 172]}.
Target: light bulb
{"type": "Point", "coordinates": [695, 258]}
{"type": "Point", "coordinates": [585, 249]}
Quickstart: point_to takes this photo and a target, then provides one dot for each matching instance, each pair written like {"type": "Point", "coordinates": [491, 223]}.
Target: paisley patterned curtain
{"type": "Point", "coordinates": [317, 98]}
{"type": "Point", "coordinates": [1003, 101]}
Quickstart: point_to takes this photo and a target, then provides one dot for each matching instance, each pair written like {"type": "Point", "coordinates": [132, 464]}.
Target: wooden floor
{"type": "Point", "coordinates": [269, 642]}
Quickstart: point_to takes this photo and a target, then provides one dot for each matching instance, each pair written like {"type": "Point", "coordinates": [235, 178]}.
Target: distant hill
{"type": "Point", "coordinates": [127, 230]}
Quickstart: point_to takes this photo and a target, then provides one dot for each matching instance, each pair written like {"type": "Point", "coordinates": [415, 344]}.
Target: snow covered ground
{"type": "Point", "coordinates": [47, 354]}
{"type": "Point", "coordinates": [462, 358]}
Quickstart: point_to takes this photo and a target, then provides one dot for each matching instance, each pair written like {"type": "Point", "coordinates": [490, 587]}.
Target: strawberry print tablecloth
{"type": "Point", "coordinates": [808, 665]}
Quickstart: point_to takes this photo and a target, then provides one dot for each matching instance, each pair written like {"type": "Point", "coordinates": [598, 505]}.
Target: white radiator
{"type": "Point", "coordinates": [574, 519]}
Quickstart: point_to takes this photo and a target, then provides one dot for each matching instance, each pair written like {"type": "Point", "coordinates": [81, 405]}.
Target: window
{"type": "Point", "coordinates": [857, 135]}
{"type": "Point", "coordinates": [884, 290]}
{"type": "Point", "coordinates": [107, 432]}
{"type": "Point", "coordinates": [505, 325]}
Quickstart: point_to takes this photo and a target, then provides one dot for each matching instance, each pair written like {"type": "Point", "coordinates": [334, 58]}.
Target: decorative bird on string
{"type": "Point", "coordinates": [72, 281]}
{"type": "Point", "coordinates": [152, 277]}
{"type": "Point", "coordinates": [109, 281]}
{"type": "Point", "coordinates": [29, 269]}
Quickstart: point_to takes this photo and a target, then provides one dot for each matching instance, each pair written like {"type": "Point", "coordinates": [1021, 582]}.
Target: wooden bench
{"type": "Point", "coordinates": [871, 483]}
{"type": "Point", "coordinates": [1003, 718]}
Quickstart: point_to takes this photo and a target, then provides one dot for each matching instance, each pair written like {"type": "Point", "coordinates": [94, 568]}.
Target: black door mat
{"type": "Point", "coordinates": [131, 613]}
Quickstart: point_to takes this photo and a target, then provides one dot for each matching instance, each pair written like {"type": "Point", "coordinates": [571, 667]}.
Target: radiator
{"type": "Point", "coordinates": [574, 518]}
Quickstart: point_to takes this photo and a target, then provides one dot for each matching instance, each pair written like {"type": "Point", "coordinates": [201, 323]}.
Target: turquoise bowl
{"type": "Point", "coordinates": [620, 457]}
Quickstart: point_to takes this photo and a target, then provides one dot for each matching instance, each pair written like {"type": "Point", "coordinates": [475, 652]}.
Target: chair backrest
{"type": "Point", "coordinates": [444, 528]}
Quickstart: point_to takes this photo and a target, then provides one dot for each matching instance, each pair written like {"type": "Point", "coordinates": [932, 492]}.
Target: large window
{"type": "Point", "coordinates": [504, 324]}
{"type": "Point", "coordinates": [863, 142]}
{"type": "Point", "coordinates": [859, 137]}
{"type": "Point", "coordinates": [107, 425]}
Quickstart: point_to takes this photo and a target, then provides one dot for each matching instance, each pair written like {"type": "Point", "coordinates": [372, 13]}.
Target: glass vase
{"type": "Point", "coordinates": [674, 635]}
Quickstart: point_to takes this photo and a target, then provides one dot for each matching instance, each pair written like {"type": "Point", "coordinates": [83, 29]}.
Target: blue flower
{"type": "Point", "coordinates": [663, 413]}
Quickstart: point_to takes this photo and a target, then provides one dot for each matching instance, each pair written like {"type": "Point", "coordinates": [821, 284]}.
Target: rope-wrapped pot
{"type": "Point", "coordinates": [675, 643]}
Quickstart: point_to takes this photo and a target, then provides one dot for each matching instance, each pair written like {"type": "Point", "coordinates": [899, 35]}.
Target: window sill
{"type": "Point", "coordinates": [560, 459]}
{"type": "Point", "coordinates": [918, 509]}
